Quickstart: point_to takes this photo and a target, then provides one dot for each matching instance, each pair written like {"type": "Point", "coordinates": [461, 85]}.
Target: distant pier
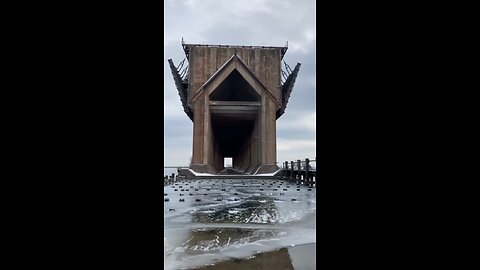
{"type": "Point", "coordinates": [300, 171]}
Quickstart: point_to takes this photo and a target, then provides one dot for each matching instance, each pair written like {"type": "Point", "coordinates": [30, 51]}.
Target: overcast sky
{"type": "Point", "coordinates": [244, 22]}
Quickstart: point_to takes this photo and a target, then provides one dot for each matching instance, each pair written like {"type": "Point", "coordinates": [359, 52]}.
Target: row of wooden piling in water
{"type": "Point", "coordinates": [300, 171]}
{"type": "Point", "coordinates": [170, 179]}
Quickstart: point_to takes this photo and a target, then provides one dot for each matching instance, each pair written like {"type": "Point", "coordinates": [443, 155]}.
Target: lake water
{"type": "Point", "coordinates": [239, 224]}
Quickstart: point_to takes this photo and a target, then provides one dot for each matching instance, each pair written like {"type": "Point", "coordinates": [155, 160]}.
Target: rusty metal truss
{"type": "Point", "coordinates": [288, 81]}
{"type": "Point", "coordinates": [180, 76]}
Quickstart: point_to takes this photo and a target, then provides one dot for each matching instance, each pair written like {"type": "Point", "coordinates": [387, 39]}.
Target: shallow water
{"type": "Point", "coordinates": [235, 220]}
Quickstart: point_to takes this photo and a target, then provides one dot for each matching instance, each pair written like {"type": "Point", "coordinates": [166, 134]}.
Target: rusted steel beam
{"type": "Point", "coordinates": [186, 47]}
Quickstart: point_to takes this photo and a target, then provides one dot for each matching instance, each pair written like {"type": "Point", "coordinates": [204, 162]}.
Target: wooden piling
{"type": "Point", "coordinates": [292, 175]}
{"type": "Point", "coordinates": [307, 169]}
{"type": "Point", "coordinates": [299, 169]}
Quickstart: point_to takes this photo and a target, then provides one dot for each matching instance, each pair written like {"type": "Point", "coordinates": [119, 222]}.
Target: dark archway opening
{"type": "Point", "coordinates": [234, 88]}
{"type": "Point", "coordinates": [234, 110]}
{"type": "Point", "coordinates": [231, 133]}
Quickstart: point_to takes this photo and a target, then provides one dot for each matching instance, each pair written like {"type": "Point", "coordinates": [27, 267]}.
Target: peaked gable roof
{"type": "Point", "coordinates": [235, 63]}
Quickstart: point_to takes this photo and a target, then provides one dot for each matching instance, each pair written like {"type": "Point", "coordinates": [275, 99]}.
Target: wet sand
{"type": "Point", "coordinates": [278, 259]}
{"type": "Point", "coordinates": [292, 258]}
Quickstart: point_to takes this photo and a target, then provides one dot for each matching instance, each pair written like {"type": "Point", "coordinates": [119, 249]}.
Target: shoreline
{"type": "Point", "coordinates": [301, 257]}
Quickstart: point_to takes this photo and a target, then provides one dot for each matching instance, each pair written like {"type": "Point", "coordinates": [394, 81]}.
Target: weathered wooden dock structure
{"type": "Point", "coordinates": [234, 95]}
{"type": "Point", "coordinates": [299, 171]}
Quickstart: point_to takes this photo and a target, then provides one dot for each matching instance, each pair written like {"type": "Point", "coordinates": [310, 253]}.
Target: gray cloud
{"type": "Point", "coordinates": [239, 22]}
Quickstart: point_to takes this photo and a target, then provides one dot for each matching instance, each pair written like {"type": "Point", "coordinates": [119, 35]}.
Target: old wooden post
{"type": "Point", "coordinates": [299, 168]}
{"type": "Point", "coordinates": [307, 169]}
{"type": "Point", "coordinates": [292, 175]}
